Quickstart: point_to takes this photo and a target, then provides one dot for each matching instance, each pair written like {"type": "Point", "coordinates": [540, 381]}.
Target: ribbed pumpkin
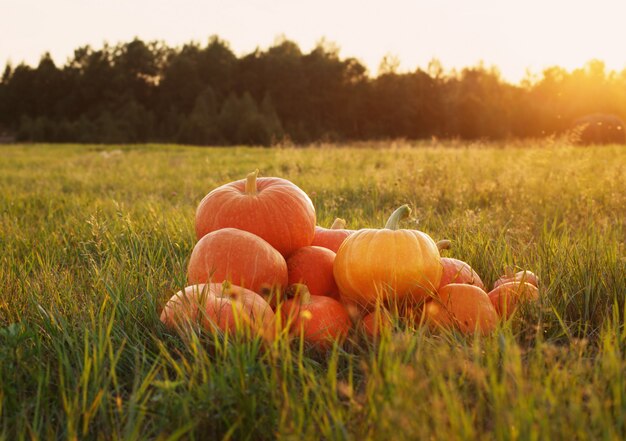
{"type": "Point", "coordinates": [332, 237]}
{"type": "Point", "coordinates": [218, 307]}
{"type": "Point", "coordinates": [387, 264]}
{"type": "Point", "coordinates": [466, 307]}
{"type": "Point", "coordinates": [237, 256]}
{"type": "Point", "coordinates": [274, 209]}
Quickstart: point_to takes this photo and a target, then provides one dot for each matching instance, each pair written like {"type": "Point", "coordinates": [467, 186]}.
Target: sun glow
{"type": "Point", "coordinates": [514, 36]}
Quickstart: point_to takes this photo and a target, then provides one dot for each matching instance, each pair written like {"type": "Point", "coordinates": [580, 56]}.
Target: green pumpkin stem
{"type": "Point", "coordinates": [251, 182]}
{"type": "Point", "coordinates": [338, 224]}
{"type": "Point", "coordinates": [395, 218]}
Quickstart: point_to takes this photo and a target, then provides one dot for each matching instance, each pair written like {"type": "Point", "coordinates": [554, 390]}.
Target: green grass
{"type": "Point", "coordinates": [94, 240]}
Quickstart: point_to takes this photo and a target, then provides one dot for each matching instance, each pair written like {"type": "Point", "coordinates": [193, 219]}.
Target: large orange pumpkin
{"type": "Point", "coordinates": [237, 256]}
{"type": "Point", "coordinates": [274, 209]}
{"type": "Point", "coordinates": [332, 237]}
{"type": "Point", "coordinates": [466, 307]}
{"type": "Point", "coordinates": [387, 264]}
{"type": "Point", "coordinates": [320, 319]}
{"type": "Point", "coordinates": [217, 307]}
{"type": "Point", "coordinates": [457, 271]}
{"type": "Point", "coordinates": [313, 267]}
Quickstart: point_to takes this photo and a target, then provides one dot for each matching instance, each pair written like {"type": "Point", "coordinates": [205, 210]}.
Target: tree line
{"type": "Point", "coordinates": [204, 94]}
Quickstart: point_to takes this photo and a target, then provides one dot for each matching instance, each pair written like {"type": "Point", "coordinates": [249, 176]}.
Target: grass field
{"type": "Point", "coordinates": [94, 240]}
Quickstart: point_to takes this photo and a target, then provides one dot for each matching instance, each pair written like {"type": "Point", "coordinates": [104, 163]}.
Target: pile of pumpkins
{"type": "Point", "coordinates": [261, 266]}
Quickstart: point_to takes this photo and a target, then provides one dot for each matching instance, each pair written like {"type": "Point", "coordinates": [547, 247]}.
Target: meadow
{"type": "Point", "coordinates": [94, 239]}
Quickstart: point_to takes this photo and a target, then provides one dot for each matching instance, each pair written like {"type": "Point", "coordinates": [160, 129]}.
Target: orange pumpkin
{"type": "Point", "coordinates": [216, 307]}
{"type": "Point", "coordinates": [466, 307]}
{"type": "Point", "coordinates": [313, 267]}
{"type": "Point", "coordinates": [374, 323]}
{"type": "Point", "coordinates": [457, 271]}
{"type": "Point", "coordinates": [274, 209]}
{"type": "Point", "coordinates": [237, 256]}
{"type": "Point", "coordinates": [521, 276]}
{"type": "Point", "coordinates": [319, 319]}
{"type": "Point", "coordinates": [389, 264]}
{"type": "Point", "coordinates": [332, 237]}
{"type": "Point", "coordinates": [506, 297]}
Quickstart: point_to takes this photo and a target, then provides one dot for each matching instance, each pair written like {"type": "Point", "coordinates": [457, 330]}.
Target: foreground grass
{"type": "Point", "coordinates": [94, 239]}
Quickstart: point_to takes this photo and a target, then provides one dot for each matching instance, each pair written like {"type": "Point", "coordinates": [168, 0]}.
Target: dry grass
{"type": "Point", "coordinates": [94, 239]}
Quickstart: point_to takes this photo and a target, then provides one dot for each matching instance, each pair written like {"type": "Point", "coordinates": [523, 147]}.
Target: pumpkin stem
{"type": "Point", "coordinates": [395, 218]}
{"type": "Point", "coordinates": [301, 292]}
{"type": "Point", "coordinates": [444, 244]}
{"type": "Point", "coordinates": [251, 182]}
{"type": "Point", "coordinates": [509, 272]}
{"type": "Point", "coordinates": [338, 224]}
{"type": "Point", "coordinates": [227, 288]}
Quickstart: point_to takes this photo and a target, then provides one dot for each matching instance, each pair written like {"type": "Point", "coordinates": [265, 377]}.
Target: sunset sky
{"type": "Point", "coordinates": [514, 35]}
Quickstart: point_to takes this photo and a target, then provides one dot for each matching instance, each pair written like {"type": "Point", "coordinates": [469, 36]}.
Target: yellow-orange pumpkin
{"type": "Point", "coordinates": [237, 256]}
{"type": "Point", "coordinates": [466, 307]}
{"type": "Point", "coordinates": [390, 264]}
{"type": "Point", "coordinates": [274, 209]}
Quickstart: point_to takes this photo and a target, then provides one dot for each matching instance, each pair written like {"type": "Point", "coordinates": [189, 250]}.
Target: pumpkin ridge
{"type": "Point", "coordinates": [309, 205]}
{"type": "Point", "coordinates": [289, 233]}
{"type": "Point", "coordinates": [256, 267]}
{"type": "Point", "coordinates": [209, 265]}
{"type": "Point", "coordinates": [228, 270]}
{"type": "Point", "coordinates": [263, 204]}
{"type": "Point", "coordinates": [429, 246]}
{"type": "Point", "coordinates": [285, 226]}
{"type": "Point", "coordinates": [414, 245]}
{"type": "Point", "coordinates": [349, 270]}
{"type": "Point", "coordinates": [426, 247]}
{"type": "Point", "coordinates": [398, 245]}
{"type": "Point", "coordinates": [370, 240]}
{"type": "Point", "coordinates": [416, 278]}
{"type": "Point", "coordinates": [222, 207]}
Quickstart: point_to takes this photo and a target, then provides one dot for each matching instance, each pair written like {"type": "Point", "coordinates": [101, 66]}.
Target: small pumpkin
{"type": "Point", "coordinates": [219, 307]}
{"type": "Point", "coordinates": [313, 267]}
{"type": "Point", "coordinates": [457, 271]}
{"type": "Point", "coordinates": [274, 209]}
{"type": "Point", "coordinates": [239, 257]}
{"type": "Point", "coordinates": [520, 276]}
{"type": "Point", "coordinates": [507, 297]}
{"type": "Point", "coordinates": [466, 307]}
{"type": "Point", "coordinates": [320, 320]}
{"type": "Point", "coordinates": [375, 322]}
{"type": "Point", "coordinates": [391, 264]}
{"type": "Point", "coordinates": [332, 237]}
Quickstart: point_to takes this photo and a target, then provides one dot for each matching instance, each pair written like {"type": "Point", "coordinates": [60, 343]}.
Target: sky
{"type": "Point", "coordinates": [516, 36]}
